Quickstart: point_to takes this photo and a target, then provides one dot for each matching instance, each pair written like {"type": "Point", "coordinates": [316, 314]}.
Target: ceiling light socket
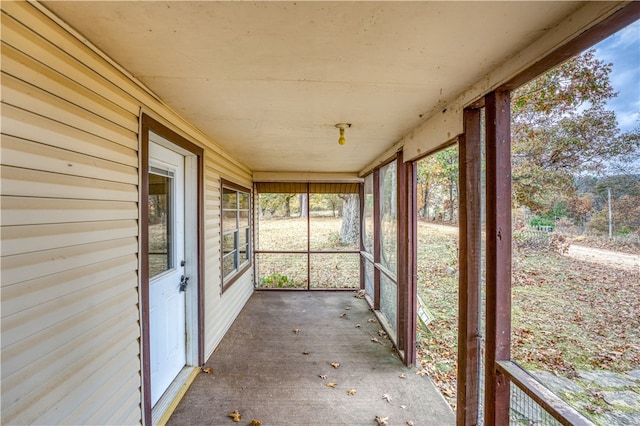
{"type": "Point", "coordinates": [343, 125]}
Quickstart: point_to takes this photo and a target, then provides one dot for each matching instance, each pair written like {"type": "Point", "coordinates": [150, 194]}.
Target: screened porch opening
{"type": "Point", "coordinates": [307, 236]}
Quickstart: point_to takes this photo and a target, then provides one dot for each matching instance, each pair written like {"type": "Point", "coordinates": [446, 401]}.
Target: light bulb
{"type": "Point", "coordinates": [342, 140]}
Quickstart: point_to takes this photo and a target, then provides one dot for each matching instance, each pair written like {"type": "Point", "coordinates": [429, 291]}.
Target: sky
{"type": "Point", "coordinates": [622, 49]}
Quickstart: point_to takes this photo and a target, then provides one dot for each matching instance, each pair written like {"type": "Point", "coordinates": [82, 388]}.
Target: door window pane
{"type": "Point", "coordinates": [160, 194]}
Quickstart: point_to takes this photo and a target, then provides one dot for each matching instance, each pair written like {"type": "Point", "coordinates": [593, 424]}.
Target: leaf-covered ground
{"type": "Point", "coordinates": [567, 315]}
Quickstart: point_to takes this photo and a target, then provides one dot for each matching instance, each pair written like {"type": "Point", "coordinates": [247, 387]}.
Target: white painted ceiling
{"type": "Point", "coordinates": [269, 80]}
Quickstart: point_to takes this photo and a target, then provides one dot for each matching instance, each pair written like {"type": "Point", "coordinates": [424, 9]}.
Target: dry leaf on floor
{"type": "Point", "coordinates": [322, 376]}
{"type": "Point", "coordinates": [404, 407]}
{"type": "Point", "coordinates": [360, 294]}
{"type": "Point", "coordinates": [351, 392]}
{"type": "Point", "coordinates": [343, 315]}
{"type": "Point", "coordinates": [306, 353]}
{"type": "Point", "coordinates": [207, 370]}
{"type": "Point", "coordinates": [372, 320]}
{"type": "Point", "coordinates": [422, 372]}
{"type": "Point", "coordinates": [332, 385]}
{"type": "Point", "coordinates": [358, 325]}
{"type": "Point", "coordinates": [347, 308]}
{"type": "Point", "coordinates": [255, 422]}
{"type": "Point", "coordinates": [382, 333]}
{"type": "Point", "coordinates": [387, 397]}
{"type": "Point", "coordinates": [375, 340]}
{"type": "Point", "coordinates": [403, 376]}
{"type": "Point", "coordinates": [335, 364]}
{"type": "Point", "coordinates": [296, 330]}
{"type": "Point", "coordinates": [409, 423]}
{"type": "Point", "coordinates": [235, 416]}
{"type": "Point", "coordinates": [382, 420]}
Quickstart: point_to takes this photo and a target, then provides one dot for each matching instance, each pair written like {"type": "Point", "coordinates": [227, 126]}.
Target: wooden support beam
{"type": "Point", "coordinates": [470, 237]}
{"type": "Point", "coordinates": [498, 278]}
{"type": "Point", "coordinates": [406, 268]}
{"type": "Point", "coordinates": [376, 238]}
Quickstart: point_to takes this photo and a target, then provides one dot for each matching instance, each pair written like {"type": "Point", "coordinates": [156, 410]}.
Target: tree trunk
{"type": "Point", "coordinates": [350, 229]}
{"type": "Point", "coordinates": [304, 211]}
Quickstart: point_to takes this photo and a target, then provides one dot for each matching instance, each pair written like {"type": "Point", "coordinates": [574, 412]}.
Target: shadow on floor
{"type": "Point", "coordinates": [269, 372]}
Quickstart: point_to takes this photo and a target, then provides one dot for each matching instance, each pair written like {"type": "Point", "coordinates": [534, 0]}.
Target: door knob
{"type": "Point", "coordinates": [184, 280]}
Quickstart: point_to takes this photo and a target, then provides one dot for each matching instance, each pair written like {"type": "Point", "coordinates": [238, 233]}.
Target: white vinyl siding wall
{"type": "Point", "coordinates": [70, 194]}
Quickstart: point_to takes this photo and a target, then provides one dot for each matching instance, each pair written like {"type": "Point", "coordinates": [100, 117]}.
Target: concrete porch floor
{"type": "Point", "coordinates": [262, 370]}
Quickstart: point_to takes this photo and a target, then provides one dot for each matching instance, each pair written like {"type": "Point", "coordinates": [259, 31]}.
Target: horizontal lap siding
{"type": "Point", "coordinates": [220, 309]}
{"type": "Point", "coordinates": [70, 229]}
{"type": "Point", "coordinates": [70, 319]}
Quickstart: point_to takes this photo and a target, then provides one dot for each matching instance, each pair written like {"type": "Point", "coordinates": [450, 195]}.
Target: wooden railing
{"type": "Point", "coordinates": [547, 400]}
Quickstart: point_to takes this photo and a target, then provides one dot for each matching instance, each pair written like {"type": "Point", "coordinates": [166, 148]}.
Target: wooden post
{"type": "Point", "coordinates": [470, 234]}
{"type": "Point", "coordinates": [406, 268]}
{"type": "Point", "coordinates": [498, 308]}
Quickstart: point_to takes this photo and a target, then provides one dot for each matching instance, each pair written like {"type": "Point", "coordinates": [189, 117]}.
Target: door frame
{"type": "Point", "coordinates": [194, 250]}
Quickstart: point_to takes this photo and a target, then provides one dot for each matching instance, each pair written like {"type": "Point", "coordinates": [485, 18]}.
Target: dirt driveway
{"type": "Point", "coordinates": [605, 257]}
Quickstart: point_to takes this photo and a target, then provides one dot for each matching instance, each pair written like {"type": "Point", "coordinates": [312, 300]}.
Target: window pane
{"type": "Point", "coordinates": [388, 217]}
{"type": "Point", "coordinates": [335, 270]}
{"type": "Point", "coordinates": [334, 222]}
{"type": "Point", "coordinates": [244, 218]}
{"type": "Point", "coordinates": [229, 199]}
{"type": "Point", "coordinates": [228, 264]}
{"type": "Point", "coordinates": [368, 214]}
{"type": "Point", "coordinates": [243, 201]}
{"type": "Point", "coordinates": [160, 258]}
{"type": "Point", "coordinates": [229, 221]}
{"type": "Point", "coordinates": [228, 242]}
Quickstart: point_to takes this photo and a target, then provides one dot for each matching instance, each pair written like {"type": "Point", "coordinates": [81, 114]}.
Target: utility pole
{"type": "Point", "coordinates": [610, 215]}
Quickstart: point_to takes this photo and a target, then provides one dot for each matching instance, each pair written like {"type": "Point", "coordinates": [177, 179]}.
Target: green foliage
{"type": "Point", "coordinates": [277, 280]}
{"type": "Point", "coordinates": [540, 221]}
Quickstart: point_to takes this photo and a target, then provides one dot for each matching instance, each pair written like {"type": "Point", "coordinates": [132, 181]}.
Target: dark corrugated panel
{"type": "Point", "coordinates": [301, 187]}
{"type": "Point", "coordinates": [281, 187]}
{"type": "Point", "coordinates": [334, 188]}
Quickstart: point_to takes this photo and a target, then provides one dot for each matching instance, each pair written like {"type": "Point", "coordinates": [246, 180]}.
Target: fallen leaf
{"type": "Point", "coordinates": [422, 372]}
{"type": "Point", "coordinates": [409, 423]}
{"type": "Point", "coordinates": [347, 308]}
{"type": "Point", "coordinates": [382, 333]}
{"type": "Point", "coordinates": [382, 420]}
{"type": "Point", "coordinates": [296, 330]}
{"type": "Point", "coordinates": [372, 320]}
{"type": "Point", "coordinates": [332, 385]}
{"type": "Point", "coordinates": [387, 397]}
{"type": "Point", "coordinates": [335, 364]}
{"type": "Point", "coordinates": [351, 392]}
{"type": "Point", "coordinates": [255, 422]}
{"type": "Point", "coordinates": [375, 340]}
{"type": "Point", "coordinates": [306, 353]}
{"type": "Point", "coordinates": [322, 376]}
{"type": "Point", "coordinates": [235, 416]}
{"type": "Point", "coordinates": [402, 376]}
{"type": "Point", "coordinates": [207, 370]}
{"type": "Point", "coordinates": [358, 325]}
{"type": "Point", "coordinates": [403, 407]}
{"type": "Point", "coordinates": [343, 315]}
{"type": "Point", "coordinates": [360, 294]}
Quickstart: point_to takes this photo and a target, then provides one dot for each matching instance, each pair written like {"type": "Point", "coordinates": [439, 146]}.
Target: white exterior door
{"type": "Point", "coordinates": [167, 280]}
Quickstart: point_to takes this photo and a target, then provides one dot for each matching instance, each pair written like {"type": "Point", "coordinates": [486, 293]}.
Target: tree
{"type": "Point", "coordinates": [561, 129]}
{"type": "Point", "coordinates": [350, 228]}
